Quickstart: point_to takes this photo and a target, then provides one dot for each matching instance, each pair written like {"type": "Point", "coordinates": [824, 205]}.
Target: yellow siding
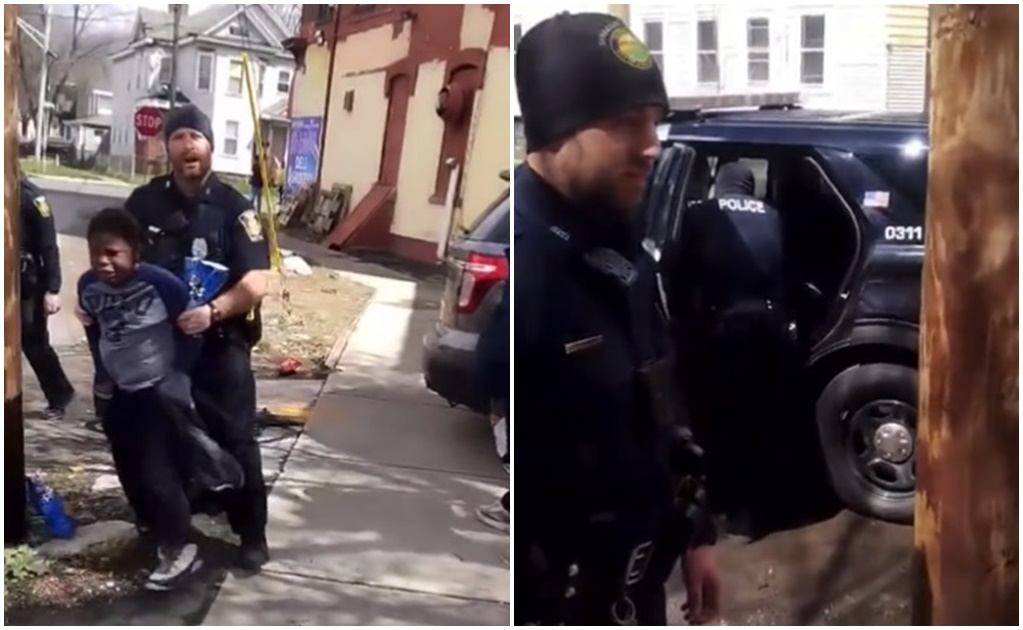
{"type": "Point", "coordinates": [477, 24]}
{"type": "Point", "coordinates": [620, 11]}
{"type": "Point", "coordinates": [414, 215]}
{"type": "Point", "coordinates": [907, 25]}
{"type": "Point", "coordinates": [353, 142]}
{"type": "Point", "coordinates": [310, 85]}
{"type": "Point", "coordinates": [371, 50]}
{"type": "Point", "coordinates": [490, 145]}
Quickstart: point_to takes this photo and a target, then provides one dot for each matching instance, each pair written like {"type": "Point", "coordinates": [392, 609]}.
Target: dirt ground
{"type": "Point", "coordinates": [845, 570]}
{"type": "Point", "coordinates": [321, 306]}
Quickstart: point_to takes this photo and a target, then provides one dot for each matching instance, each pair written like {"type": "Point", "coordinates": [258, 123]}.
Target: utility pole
{"type": "Point", "coordinates": [176, 12]}
{"type": "Point", "coordinates": [967, 505]}
{"type": "Point", "coordinates": [15, 500]}
{"type": "Point", "coordinates": [43, 78]}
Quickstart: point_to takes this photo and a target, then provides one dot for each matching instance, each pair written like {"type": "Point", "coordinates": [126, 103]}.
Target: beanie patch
{"type": "Point", "coordinates": [626, 47]}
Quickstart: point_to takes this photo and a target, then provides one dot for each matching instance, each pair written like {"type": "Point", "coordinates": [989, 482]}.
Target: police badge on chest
{"type": "Point", "coordinates": [200, 249]}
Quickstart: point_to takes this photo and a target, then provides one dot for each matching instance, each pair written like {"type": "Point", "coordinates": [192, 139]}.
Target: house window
{"type": "Point", "coordinates": [165, 70]}
{"type": "Point", "coordinates": [653, 36]}
{"type": "Point", "coordinates": [811, 69]}
{"type": "Point", "coordinates": [204, 72]}
{"type": "Point", "coordinates": [516, 35]}
{"type": "Point", "coordinates": [323, 12]}
{"type": "Point", "coordinates": [283, 82]}
{"type": "Point", "coordinates": [235, 83]}
{"type": "Point", "coordinates": [758, 50]}
{"type": "Point", "coordinates": [238, 30]}
{"type": "Point", "coordinates": [231, 137]}
{"type": "Point", "coordinates": [707, 51]}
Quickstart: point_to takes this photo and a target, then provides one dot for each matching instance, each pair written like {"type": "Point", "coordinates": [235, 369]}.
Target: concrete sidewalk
{"type": "Point", "coordinates": [372, 521]}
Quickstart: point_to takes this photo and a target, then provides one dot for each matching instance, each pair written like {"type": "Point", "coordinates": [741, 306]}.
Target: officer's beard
{"type": "Point", "coordinates": [600, 200]}
{"type": "Point", "coordinates": [191, 171]}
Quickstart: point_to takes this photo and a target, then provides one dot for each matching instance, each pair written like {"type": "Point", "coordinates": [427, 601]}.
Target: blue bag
{"type": "Point", "coordinates": [204, 280]}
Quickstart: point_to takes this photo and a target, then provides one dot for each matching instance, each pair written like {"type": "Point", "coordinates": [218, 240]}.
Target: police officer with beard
{"type": "Point", "coordinates": [732, 263]}
{"type": "Point", "coordinates": [40, 291]}
{"type": "Point", "coordinates": [605, 481]}
{"type": "Point", "coordinates": [192, 213]}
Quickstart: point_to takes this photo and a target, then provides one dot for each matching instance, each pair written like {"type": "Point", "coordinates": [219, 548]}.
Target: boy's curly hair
{"type": "Point", "coordinates": [116, 221]}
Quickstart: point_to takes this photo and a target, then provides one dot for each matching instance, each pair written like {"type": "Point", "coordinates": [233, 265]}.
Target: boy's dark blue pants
{"type": "Point", "coordinates": [145, 442]}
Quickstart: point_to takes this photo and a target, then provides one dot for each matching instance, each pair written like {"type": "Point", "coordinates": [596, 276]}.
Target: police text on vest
{"type": "Point", "coordinates": [733, 204]}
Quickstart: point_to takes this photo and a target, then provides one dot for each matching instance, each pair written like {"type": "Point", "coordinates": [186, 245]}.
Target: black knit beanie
{"type": "Point", "coordinates": [572, 70]}
{"type": "Point", "coordinates": [188, 117]}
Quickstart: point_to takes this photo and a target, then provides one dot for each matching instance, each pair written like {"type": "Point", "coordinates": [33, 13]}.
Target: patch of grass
{"type": "Point", "coordinates": [33, 166]}
{"type": "Point", "coordinates": [22, 566]}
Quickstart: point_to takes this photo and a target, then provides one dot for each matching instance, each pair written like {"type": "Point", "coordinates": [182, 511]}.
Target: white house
{"type": "Point", "coordinates": [837, 56]}
{"type": "Point", "coordinates": [210, 75]}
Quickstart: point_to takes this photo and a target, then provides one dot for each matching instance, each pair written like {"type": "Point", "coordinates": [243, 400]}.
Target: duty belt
{"type": "Point", "coordinates": [623, 609]}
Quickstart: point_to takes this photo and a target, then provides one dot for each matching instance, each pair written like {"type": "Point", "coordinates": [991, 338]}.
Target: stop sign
{"type": "Point", "coordinates": [148, 121]}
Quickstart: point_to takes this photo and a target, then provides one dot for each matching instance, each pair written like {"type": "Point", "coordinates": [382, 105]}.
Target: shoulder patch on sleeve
{"type": "Point", "coordinates": [43, 206]}
{"type": "Point", "coordinates": [252, 225]}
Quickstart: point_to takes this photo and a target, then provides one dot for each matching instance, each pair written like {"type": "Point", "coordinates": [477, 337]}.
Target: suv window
{"type": "Point", "coordinates": [889, 191]}
{"type": "Point", "coordinates": [494, 224]}
{"type": "Point", "coordinates": [906, 175]}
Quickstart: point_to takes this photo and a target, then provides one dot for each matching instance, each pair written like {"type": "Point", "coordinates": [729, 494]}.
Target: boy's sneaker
{"type": "Point", "coordinates": [494, 515]}
{"type": "Point", "coordinates": [57, 412]}
{"type": "Point", "coordinates": [172, 565]}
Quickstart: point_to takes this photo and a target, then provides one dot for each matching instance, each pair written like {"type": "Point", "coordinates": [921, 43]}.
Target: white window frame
{"type": "Point", "coordinates": [228, 138]}
{"type": "Point", "coordinates": [656, 52]}
{"type": "Point", "coordinates": [204, 54]}
{"type": "Point", "coordinates": [244, 31]}
{"type": "Point", "coordinates": [280, 82]}
{"type": "Point", "coordinates": [241, 77]}
{"type": "Point", "coordinates": [758, 55]}
{"type": "Point", "coordinates": [805, 50]}
{"type": "Point", "coordinates": [165, 62]}
{"type": "Point", "coordinates": [708, 53]}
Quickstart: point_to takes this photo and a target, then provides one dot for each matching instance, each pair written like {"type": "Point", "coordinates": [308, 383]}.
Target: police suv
{"type": "Point", "coordinates": [851, 192]}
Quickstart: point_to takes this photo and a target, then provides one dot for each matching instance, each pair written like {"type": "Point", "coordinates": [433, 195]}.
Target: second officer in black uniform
{"type": "Point", "coordinates": [192, 213]}
{"type": "Point", "coordinates": [602, 513]}
{"type": "Point", "coordinates": [731, 281]}
{"type": "Point", "coordinates": [40, 297]}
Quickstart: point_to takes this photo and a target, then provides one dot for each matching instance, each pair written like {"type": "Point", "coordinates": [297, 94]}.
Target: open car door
{"type": "Point", "coordinates": [664, 205]}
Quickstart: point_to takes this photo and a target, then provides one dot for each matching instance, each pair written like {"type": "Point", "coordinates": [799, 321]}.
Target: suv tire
{"type": "Point", "coordinates": [867, 395]}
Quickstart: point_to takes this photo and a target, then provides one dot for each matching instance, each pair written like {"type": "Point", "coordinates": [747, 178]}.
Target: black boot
{"type": "Point", "coordinates": [253, 554]}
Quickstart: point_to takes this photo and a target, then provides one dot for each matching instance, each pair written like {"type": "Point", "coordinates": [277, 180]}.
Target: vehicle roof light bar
{"type": "Point", "coordinates": [693, 106]}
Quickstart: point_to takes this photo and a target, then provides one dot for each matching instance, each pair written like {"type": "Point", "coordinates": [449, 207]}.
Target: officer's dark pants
{"type": "Point", "coordinates": [598, 585]}
{"type": "Point", "coordinates": [225, 396]}
{"type": "Point", "coordinates": [145, 445]}
{"type": "Point", "coordinates": [751, 365]}
{"type": "Point", "coordinates": [35, 343]}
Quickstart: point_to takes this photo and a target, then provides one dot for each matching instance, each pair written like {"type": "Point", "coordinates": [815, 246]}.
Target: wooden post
{"type": "Point", "coordinates": [967, 507]}
{"type": "Point", "coordinates": [15, 526]}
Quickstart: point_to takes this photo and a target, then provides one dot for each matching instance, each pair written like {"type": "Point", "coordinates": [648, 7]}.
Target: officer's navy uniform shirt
{"type": "Point", "coordinates": [40, 255]}
{"type": "Point", "coordinates": [586, 444]}
{"type": "Point", "coordinates": [220, 225]}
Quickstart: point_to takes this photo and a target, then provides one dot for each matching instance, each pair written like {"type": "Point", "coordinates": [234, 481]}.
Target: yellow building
{"type": "Point", "coordinates": [414, 99]}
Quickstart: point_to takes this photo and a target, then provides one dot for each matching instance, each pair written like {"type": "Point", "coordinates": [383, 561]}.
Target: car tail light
{"type": "Point", "coordinates": [479, 274]}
